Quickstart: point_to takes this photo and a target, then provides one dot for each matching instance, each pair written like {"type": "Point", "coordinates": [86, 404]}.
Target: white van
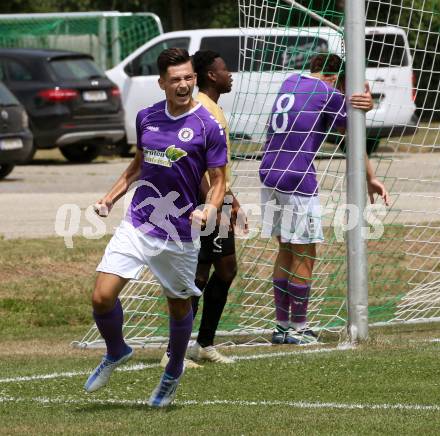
{"type": "Point", "coordinates": [268, 56]}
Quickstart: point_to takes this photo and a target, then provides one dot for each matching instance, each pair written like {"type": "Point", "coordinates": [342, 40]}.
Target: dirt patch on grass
{"type": "Point", "coordinates": [37, 348]}
{"type": "Point", "coordinates": [13, 273]}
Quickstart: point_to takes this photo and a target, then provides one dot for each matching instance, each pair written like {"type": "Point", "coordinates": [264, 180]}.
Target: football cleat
{"type": "Point", "coordinates": [196, 352]}
{"type": "Point", "coordinates": [101, 374]}
{"type": "Point", "coordinates": [188, 363]}
{"type": "Point", "coordinates": [281, 336]}
{"type": "Point", "coordinates": [307, 335]}
{"type": "Point", "coordinates": [164, 393]}
{"type": "Point", "coordinates": [300, 338]}
{"type": "Point", "coordinates": [308, 332]}
{"type": "Point", "coordinates": [278, 337]}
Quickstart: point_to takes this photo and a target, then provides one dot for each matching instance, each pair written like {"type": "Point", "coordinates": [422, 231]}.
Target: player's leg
{"type": "Point", "coordinates": [202, 277]}
{"type": "Point", "coordinates": [281, 276]}
{"type": "Point", "coordinates": [214, 300]}
{"type": "Point", "coordinates": [107, 312]}
{"type": "Point", "coordinates": [180, 322]}
{"type": "Point", "coordinates": [272, 204]}
{"type": "Point", "coordinates": [175, 269]}
{"type": "Point", "coordinates": [108, 315]}
{"type": "Point", "coordinates": [120, 263]}
{"type": "Point", "coordinates": [306, 231]}
{"type": "Point", "coordinates": [303, 260]}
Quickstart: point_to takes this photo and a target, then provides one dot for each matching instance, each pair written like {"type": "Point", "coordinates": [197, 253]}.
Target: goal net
{"type": "Point", "coordinates": [107, 36]}
{"type": "Point", "coordinates": [403, 70]}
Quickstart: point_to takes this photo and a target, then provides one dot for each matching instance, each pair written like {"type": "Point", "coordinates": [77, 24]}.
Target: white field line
{"type": "Point", "coordinates": [263, 403]}
{"type": "Point", "coordinates": [142, 366]}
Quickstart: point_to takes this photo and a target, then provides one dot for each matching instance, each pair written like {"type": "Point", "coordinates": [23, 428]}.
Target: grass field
{"type": "Point", "coordinates": [386, 386]}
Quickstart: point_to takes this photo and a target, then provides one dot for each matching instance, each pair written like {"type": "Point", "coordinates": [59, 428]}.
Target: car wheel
{"type": "Point", "coordinates": [125, 150]}
{"type": "Point", "coordinates": [372, 145]}
{"type": "Point", "coordinates": [5, 169]}
{"type": "Point", "coordinates": [80, 153]}
{"type": "Point", "coordinates": [30, 157]}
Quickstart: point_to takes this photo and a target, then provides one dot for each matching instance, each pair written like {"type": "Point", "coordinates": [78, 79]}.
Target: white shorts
{"type": "Point", "coordinates": [295, 218]}
{"type": "Point", "coordinates": [174, 267]}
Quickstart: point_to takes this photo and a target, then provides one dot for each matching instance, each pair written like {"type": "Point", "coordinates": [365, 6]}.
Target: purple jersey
{"type": "Point", "coordinates": [304, 111]}
{"type": "Point", "coordinates": [176, 153]}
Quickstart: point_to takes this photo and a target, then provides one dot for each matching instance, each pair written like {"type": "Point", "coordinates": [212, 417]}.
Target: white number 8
{"type": "Point", "coordinates": [283, 112]}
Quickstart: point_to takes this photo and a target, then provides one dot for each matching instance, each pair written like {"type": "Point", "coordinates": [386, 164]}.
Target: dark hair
{"type": "Point", "coordinates": [326, 63]}
{"type": "Point", "coordinates": [202, 60]}
{"type": "Point", "coordinates": [170, 57]}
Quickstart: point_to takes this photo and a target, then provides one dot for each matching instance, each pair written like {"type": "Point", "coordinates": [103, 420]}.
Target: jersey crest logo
{"type": "Point", "coordinates": [186, 134]}
{"type": "Point", "coordinates": [164, 158]}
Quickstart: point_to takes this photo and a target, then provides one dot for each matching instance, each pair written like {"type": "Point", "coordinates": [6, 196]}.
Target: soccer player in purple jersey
{"type": "Point", "coordinates": [305, 110]}
{"type": "Point", "coordinates": [177, 142]}
{"type": "Point", "coordinates": [218, 248]}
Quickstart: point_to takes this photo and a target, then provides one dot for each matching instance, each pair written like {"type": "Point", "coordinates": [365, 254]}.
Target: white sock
{"type": "Point", "coordinates": [298, 325]}
{"type": "Point", "coordinates": [283, 324]}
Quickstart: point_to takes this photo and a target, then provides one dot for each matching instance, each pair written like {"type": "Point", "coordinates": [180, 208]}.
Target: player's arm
{"type": "Point", "coordinates": [214, 197]}
{"type": "Point", "coordinates": [374, 186]}
{"type": "Point", "coordinates": [204, 187]}
{"type": "Point", "coordinates": [363, 101]}
{"type": "Point", "coordinates": [119, 189]}
{"type": "Point", "coordinates": [238, 216]}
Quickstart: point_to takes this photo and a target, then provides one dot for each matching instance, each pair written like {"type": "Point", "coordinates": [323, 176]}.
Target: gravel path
{"type": "Point", "coordinates": [32, 197]}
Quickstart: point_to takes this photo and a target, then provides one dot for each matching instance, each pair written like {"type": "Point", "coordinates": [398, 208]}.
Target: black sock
{"type": "Point", "coordinates": [214, 300]}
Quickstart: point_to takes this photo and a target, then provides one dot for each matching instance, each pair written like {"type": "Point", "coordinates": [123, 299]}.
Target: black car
{"type": "Point", "coordinates": [70, 102]}
{"type": "Point", "coordinates": [15, 137]}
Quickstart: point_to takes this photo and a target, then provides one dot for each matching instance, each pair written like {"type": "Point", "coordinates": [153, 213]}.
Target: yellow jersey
{"type": "Point", "coordinates": [217, 112]}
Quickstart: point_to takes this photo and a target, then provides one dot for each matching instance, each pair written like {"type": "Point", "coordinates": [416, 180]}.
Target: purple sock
{"type": "Point", "coordinates": [110, 326]}
{"type": "Point", "coordinates": [281, 300]}
{"type": "Point", "coordinates": [299, 301]}
{"type": "Point", "coordinates": [180, 332]}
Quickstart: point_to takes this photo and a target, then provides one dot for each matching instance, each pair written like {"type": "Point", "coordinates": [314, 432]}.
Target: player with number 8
{"type": "Point", "coordinates": [306, 109]}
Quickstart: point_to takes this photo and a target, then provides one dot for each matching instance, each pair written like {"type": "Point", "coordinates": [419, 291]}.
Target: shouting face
{"type": "Point", "coordinates": [178, 84]}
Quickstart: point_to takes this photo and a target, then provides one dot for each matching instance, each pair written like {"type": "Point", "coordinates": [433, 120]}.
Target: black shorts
{"type": "Point", "coordinates": [212, 247]}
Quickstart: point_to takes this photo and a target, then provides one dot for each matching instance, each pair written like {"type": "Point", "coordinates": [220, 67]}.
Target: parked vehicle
{"type": "Point", "coordinates": [389, 71]}
{"type": "Point", "coordinates": [15, 136]}
{"type": "Point", "coordinates": [70, 102]}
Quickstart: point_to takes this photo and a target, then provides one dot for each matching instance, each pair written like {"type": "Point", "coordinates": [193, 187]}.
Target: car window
{"type": "Point", "coordinates": [266, 53]}
{"type": "Point", "coordinates": [75, 68]}
{"type": "Point", "coordinates": [17, 71]}
{"type": "Point", "coordinates": [291, 52]}
{"type": "Point", "coordinates": [385, 49]}
{"type": "Point", "coordinates": [227, 46]}
{"type": "Point", "coordinates": [146, 63]}
{"type": "Point", "coordinates": [6, 96]}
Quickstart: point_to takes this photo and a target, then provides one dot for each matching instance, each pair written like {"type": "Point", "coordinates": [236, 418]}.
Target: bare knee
{"type": "Point", "coordinates": [179, 308]}
{"type": "Point", "coordinates": [107, 288]}
{"type": "Point", "coordinates": [101, 302]}
{"type": "Point", "coordinates": [227, 275]}
{"type": "Point", "coordinates": [226, 268]}
{"type": "Point", "coordinates": [202, 275]}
